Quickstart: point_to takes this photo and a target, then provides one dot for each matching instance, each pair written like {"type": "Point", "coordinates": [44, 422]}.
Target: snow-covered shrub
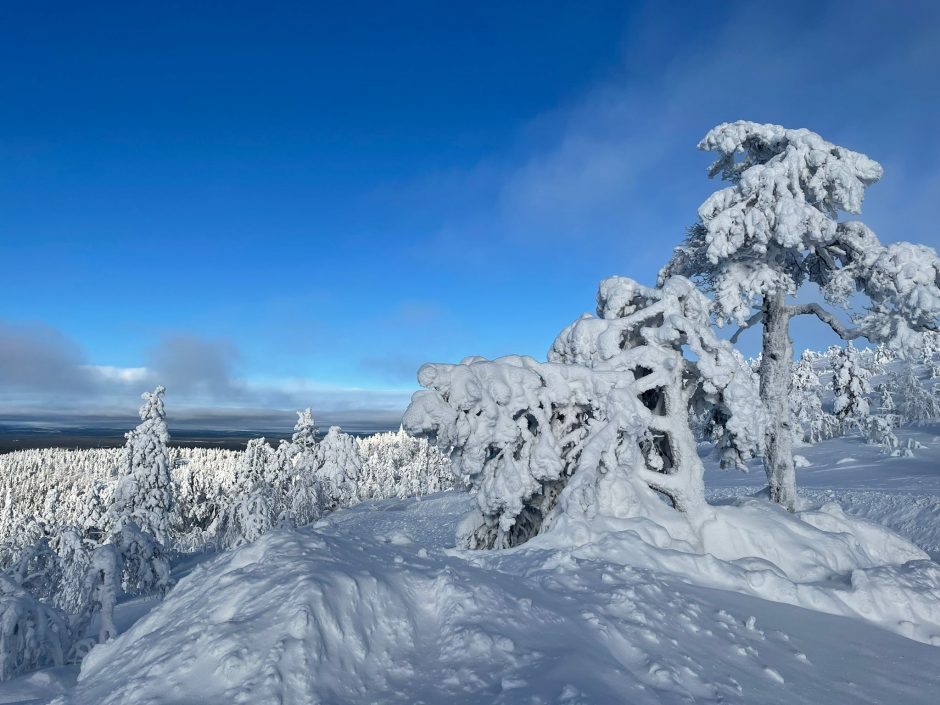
{"type": "Point", "coordinates": [613, 398]}
{"type": "Point", "coordinates": [851, 387]}
{"type": "Point", "coordinates": [879, 431]}
{"type": "Point", "coordinates": [144, 493]}
{"type": "Point", "coordinates": [776, 228]}
{"type": "Point", "coordinates": [32, 634]}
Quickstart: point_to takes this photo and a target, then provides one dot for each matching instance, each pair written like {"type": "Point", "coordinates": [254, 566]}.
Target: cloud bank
{"type": "Point", "coordinates": [45, 374]}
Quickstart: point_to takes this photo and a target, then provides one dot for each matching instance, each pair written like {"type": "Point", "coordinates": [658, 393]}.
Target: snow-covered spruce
{"type": "Point", "coordinates": [851, 388]}
{"type": "Point", "coordinates": [811, 424]}
{"type": "Point", "coordinates": [144, 493]}
{"type": "Point", "coordinates": [917, 403]}
{"type": "Point", "coordinates": [613, 399]}
{"type": "Point", "coordinates": [775, 228]}
{"type": "Point", "coordinates": [339, 465]}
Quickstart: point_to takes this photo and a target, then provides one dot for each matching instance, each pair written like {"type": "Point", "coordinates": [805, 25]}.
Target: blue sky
{"type": "Point", "coordinates": [268, 205]}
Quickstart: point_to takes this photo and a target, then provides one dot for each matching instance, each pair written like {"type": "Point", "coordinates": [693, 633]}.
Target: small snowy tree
{"type": "Point", "coordinates": [850, 386]}
{"type": "Point", "coordinates": [306, 432]}
{"type": "Point", "coordinates": [917, 404]}
{"type": "Point", "coordinates": [775, 228]}
{"type": "Point", "coordinates": [339, 467]}
{"type": "Point", "coordinates": [250, 512]}
{"type": "Point", "coordinates": [879, 431]}
{"type": "Point", "coordinates": [811, 423]}
{"type": "Point", "coordinates": [613, 401]}
{"type": "Point", "coordinates": [102, 585]}
{"type": "Point", "coordinates": [144, 493]}
{"type": "Point", "coordinates": [886, 403]}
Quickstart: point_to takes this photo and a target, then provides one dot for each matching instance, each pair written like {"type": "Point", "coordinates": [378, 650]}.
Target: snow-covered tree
{"type": "Point", "coordinates": [306, 433]}
{"type": "Point", "coordinates": [32, 634]}
{"type": "Point", "coordinates": [339, 465]}
{"type": "Point", "coordinates": [916, 403]}
{"type": "Point", "coordinates": [102, 585]}
{"type": "Point", "coordinates": [879, 431]}
{"type": "Point", "coordinates": [145, 569]}
{"type": "Point", "coordinates": [886, 403]}
{"type": "Point", "coordinates": [144, 493]}
{"type": "Point", "coordinates": [811, 423]}
{"type": "Point", "coordinates": [250, 512]}
{"type": "Point", "coordinates": [776, 228]}
{"type": "Point", "coordinates": [850, 386]}
{"type": "Point", "coordinates": [613, 400]}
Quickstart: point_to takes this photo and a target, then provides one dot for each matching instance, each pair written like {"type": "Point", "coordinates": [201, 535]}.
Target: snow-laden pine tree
{"type": "Point", "coordinates": [811, 424]}
{"type": "Point", "coordinates": [851, 388]}
{"type": "Point", "coordinates": [609, 411]}
{"type": "Point", "coordinates": [144, 493]}
{"type": "Point", "coordinates": [339, 466]}
{"type": "Point", "coordinates": [775, 228]}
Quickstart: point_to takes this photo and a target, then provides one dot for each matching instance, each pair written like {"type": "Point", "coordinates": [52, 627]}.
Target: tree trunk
{"type": "Point", "coordinates": [775, 388]}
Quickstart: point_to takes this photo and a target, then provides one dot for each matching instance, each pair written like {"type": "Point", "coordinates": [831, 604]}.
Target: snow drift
{"type": "Point", "coordinates": [372, 607]}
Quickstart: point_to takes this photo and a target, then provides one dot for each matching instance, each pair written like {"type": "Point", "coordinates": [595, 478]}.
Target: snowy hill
{"type": "Point", "coordinates": [372, 605]}
{"type": "Point", "coordinates": [374, 608]}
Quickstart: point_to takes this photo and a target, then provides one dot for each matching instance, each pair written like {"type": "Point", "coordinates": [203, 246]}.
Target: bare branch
{"type": "Point", "coordinates": [753, 320]}
{"type": "Point", "coordinates": [827, 318]}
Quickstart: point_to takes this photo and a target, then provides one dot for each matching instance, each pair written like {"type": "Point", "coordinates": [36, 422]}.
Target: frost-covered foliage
{"type": "Point", "coordinates": [811, 423]}
{"type": "Point", "coordinates": [144, 494]}
{"type": "Point", "coordinates": [401, 465]}
{"type": "Point", "coordinates": [614, 397]}
{"type": "Point", "coordinates": [776, 227]}
{"type": "Point", "coordinates": [851, 388]}
{"type": "Point", "coordinates": [32, 634]}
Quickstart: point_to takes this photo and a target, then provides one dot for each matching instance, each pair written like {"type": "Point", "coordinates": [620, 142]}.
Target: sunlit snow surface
{"type": "Point", "coordinates": [372, 606]}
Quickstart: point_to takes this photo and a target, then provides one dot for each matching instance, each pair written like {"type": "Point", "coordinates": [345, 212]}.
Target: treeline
{"type": "Point", "coordinates": [81, 528]}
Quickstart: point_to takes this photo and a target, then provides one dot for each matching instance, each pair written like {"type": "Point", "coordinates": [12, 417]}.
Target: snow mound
{"type": "Point", "coordinates": [819, 557]}
{"type": "Point", "coordinates": [345, 614]}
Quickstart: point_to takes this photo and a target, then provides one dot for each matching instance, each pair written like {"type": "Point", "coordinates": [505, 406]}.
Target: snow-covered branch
{"type": "Point", "coordinates": [814, 309]}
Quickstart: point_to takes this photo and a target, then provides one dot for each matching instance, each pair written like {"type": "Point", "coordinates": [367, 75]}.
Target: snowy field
{"type": "Point", "coordinates": [373, 605]}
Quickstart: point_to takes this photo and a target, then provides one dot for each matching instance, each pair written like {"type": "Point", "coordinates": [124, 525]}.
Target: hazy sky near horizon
{"type": "Point", "coordinates": [274, 205]}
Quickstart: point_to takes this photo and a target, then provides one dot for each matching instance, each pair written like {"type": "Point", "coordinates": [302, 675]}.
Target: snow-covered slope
{"type": "Point", "coordinates": [372, 606]}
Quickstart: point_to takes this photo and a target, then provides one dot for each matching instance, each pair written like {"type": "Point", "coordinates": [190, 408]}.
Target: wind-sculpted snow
{"type": "Point", "coordinates": [371, 607]}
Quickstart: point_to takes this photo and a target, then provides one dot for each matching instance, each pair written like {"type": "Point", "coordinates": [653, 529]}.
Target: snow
{"type": "Point", "coordinates": [372, 604]}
